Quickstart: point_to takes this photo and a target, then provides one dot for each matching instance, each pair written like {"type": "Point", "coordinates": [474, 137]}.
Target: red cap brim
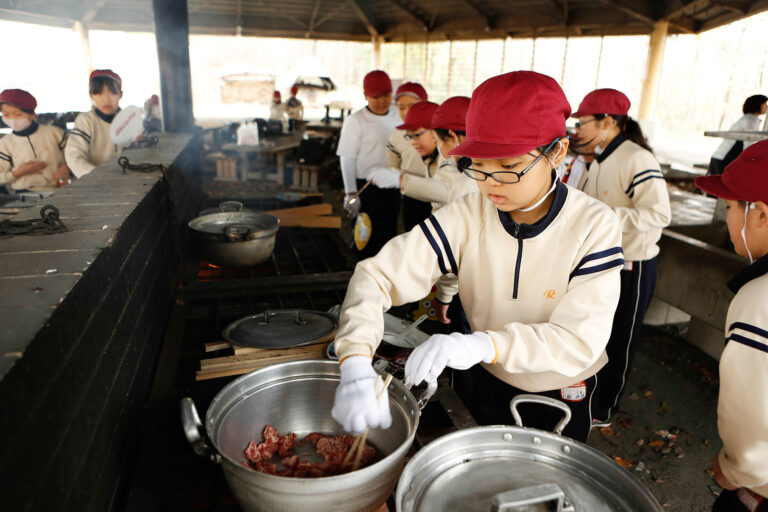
{"type": "Point", "coordinates": [406, 126]}
{"type": "Point", "coordinates": [581, 114]}
{"type": "Point", "coordinates": [713, 185]}
{"type": "Point", "coordinates": [490, 150]}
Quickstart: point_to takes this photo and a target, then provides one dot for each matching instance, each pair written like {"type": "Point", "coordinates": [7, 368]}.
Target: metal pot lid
{"type": "Point", "coordinates": [516, 468]}
{"type": "Point", "coordinates": [258, 224]}
{"type": "Point", "coordinates": [281, 328]}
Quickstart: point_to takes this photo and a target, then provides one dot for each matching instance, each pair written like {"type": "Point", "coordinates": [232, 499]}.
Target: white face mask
{"type": "Point", "coordinates": [747, 207]}
{"type": "Point", "coordinates": [18, 125]}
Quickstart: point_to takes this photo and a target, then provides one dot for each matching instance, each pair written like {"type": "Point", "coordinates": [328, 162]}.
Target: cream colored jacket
{"type": "Point", "coordinates": [627, 178]}
{"type": "Point", "coordinates": [545, 293]}
{"type": "Point", "coordinates": [444, 185]}
{"type": "Point", "coordinates": [89, 144]}
{"type": "Point", "coordinates": [742, 408]}
{"type": "Point", "coordinates": [401, 155]}
{"type": "Point", "coordinates": [44, 143]}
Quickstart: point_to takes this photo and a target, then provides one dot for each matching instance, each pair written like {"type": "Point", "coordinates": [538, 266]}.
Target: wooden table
{"type": "Point", "coordinates": [278, 146]}
{"type": "Point", "coordinates": [747, 136]}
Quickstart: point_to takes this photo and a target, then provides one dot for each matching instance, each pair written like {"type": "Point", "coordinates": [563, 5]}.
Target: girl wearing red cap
{"type": "Point", "coordinates": [31, 156]}
{"type": "Point", "coordinates": [742, 410]}
{"type": "Point", "coordinates": [626, 176]}
{"type": "Point", "coordinates": [537, 264]}
{"type": "Point", "coordinates": [403, 157]}
{"type": "Point", "coordinates": [89, 143]}
{"type": "Point", "coordinates": [362, 148]}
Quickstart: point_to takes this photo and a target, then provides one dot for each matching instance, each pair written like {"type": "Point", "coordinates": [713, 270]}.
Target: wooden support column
{"type": "Point", "coordinates": [172, 36]}
{"type": "Point", "coordinates": [376, 40]}
{"type": "Point", "coordinates": [85, 42]}
{"type": "Point", "coordinates": [655, 61]}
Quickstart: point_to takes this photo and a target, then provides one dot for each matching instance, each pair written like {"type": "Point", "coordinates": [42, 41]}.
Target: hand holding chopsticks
{"type": "Point", "coordinates": [356, 450]}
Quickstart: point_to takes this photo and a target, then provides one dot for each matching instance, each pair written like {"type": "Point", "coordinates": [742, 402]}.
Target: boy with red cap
{"type": "Point", "coordinates": [31, 156]}
{"type": "Point", "coordinates": [626, 176]}
{"type": "Point", "coordinates": [89, 142]}
{"type": "Point", "coordinates": [362, 148]}
{"type": "Point", "coordinates": [277, 108]}
{"type": "Point", "coordinates": [294, 109]}
{"type": "Point", "coordinates": [741, 411]}
{"type": "Point", "coordinates": [537, 263]}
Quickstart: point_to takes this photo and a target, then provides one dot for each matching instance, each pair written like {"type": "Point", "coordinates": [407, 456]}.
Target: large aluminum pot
{"type": "Point", "coordinates": [297, 397]}
{"type": "Point", "coordinates": [235, 237]}
{"type": "Point", "coordinates": [516, 468]}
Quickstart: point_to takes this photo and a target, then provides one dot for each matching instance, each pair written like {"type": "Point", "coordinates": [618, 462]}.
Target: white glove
{"type": "Point", "coordinates": [458, 351]}
{"type": "Point", "coordinates": [385, 177]}
{"type": "Point", "coordinates": [355, 405]}
{"type": "Point", "coordinates": [352, 204]}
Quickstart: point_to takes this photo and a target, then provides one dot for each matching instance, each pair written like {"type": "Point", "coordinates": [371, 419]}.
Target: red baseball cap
{"type": "Point", "coordinates": [276, 94]}
{"type": "Point", "coordinates": [451, 115]}
{"type": "Point", "coordinates": [419, 116]}
{"type": "Point", "coordinates": [19, 98]}
{"type": "Point", "coordinates": [107, 73]}
{"type": "Point", "coordinates": [513, 113]}
{"type": "Point", "coordinates": [376, 83]}
{"type": "Point", "coordinates": [744, 179]}
{"type": "Point", "coordinates": [603, 101]}
{"type": "Point", "coordinates": [412, 89]}
{"type": "Point", "coordinates": [294, 90]}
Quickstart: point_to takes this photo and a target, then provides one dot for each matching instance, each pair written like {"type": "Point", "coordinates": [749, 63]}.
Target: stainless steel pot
{"type": "Point", "coordinates": [516, 468]}
{"type": "Point", "coordinates": [297, 397]}
{"type": "Point", "coordinates": [238, 238]}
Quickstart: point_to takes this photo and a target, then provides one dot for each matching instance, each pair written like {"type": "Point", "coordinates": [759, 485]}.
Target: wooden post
{"type": "Point", "coordinates": [450, 66]}
{"type": "Point", "coordinates": [655, 61]}
{"type": "Point", "coordinates": [172, 36]}
{"type": "Point", "coordinates": [85, 42]}
{"type": "Point", "coordinates": [503, 55]}
{"type": "Point", "coordinates": [474, 67]}
{"type": "Point", "coordinates": [565, 59]}
{"type": "Point", "coordinates": [405, 59]}
{"type": "Point", "coordinates": [599, 61]}
{"type": "Point", "coordinates": [376, 52]}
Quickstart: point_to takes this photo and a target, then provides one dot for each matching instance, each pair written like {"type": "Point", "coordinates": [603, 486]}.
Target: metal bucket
{"type": "Point", "coordinates": [297, 397]}
{"type": "Point", "coordinates": [516, 468]}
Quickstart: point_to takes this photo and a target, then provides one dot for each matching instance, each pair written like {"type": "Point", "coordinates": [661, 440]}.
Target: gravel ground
{"type": "Point", "coordinates": [665, 431]}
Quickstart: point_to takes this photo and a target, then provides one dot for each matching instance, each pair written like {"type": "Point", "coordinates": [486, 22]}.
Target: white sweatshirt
{"type": "Point", "coordinates": [89, 143]}
{"type": "Point", "coordinates": [40, 142]}
{"type": "Point", "coordinates": [545, 293]}
{"type": "Point", "coordinates": [742, 407]}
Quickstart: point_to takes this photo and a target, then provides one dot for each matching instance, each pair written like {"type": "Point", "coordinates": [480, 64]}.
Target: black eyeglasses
{"type": "Point", "coordinates": [500, 176]}
{"type": "Point", "coordinates": [408, 136]}
{"type": "Point", "coordinates": [579, 125]}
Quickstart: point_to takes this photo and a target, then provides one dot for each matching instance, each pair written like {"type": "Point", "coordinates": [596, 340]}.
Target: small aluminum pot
{"type": "Point", "coordinates": [239, 238]}
{"type": "Point", "coordinates": [297, 397]}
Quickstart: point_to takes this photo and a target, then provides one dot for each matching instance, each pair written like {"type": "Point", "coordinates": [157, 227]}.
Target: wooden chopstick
{"type": "Point", "coordinates": [359, 444]}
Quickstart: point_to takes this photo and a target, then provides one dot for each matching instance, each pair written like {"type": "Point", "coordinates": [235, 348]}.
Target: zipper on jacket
{"type": "Point", "coordinates": [32, 146]}
{"type": "Point", "coordinates": [519, 260]}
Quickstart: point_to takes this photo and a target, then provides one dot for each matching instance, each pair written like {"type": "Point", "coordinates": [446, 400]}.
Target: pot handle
{"type": "Point", "coordinates": [193, 429]}
{"type": "Point", "coordinates": [231, 206]}
{"type": "Point", "coordinates": [426, 395]}
{"type": "Point", "coordinates": [533, 495]}
{"type": "Point", "coordinates": [542, 400]}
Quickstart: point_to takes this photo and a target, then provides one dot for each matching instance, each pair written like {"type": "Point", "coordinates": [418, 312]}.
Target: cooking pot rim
{"type": "Point", "coordinates": [223, 219]}
{"type": "Point", "coordinates": [324, 369]}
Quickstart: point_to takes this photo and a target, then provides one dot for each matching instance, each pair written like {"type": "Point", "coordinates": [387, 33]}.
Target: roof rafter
{"type": "Point", "coordinates": [366, 17]}
{"type": "Point", "coordinates": [332, 13]}
{"type": "Point", "coordinates": [485, 14]}
{"type": "Point", "coordinates": [92, 10]}
{"type": "Point", "coordinates": [561, 6]}
{"type": "Point", "coordinates": [423, 17]}
{"type": "Point", "coordinates": [313, 18]}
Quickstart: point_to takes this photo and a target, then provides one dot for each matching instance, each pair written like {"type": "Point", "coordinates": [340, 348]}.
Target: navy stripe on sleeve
{"type": "Point", "coordinates": [446, 245]}
{"type": "Point", "coordinates": [81, 133]}
{"type": "Point", "coordinates": [392, 149]}
{"type": "Point", "coordinates": [5, 157]}
{"type": "Point", "coordinates": [598, 255]}
{"type": "Point", "coordinates": [632, 187]}
{"type": "Point", "coordinates": [597, 268]}
{"type": "Point", "coordinates": [435, 247]}
{"type": "Point", "coordinates": [749, 328]}
{"type": "Point", "coordinates": [638, 175]}
{"type": "Point", "coordinates": [748, 342]}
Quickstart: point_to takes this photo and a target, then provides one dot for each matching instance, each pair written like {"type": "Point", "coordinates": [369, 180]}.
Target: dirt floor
{"type": "Point", "coordinates": [665, 431]}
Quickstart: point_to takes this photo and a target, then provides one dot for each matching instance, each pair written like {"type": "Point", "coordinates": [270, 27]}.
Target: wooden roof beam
{"type": "Point", "coordinates": [92, 10]}
{"type": "Point", "coordinates": [737, 6]}
{"type": "Point", "coordinates": [488, 17]}
{"type": "Point", "coordinates": [366, 17]}
{"type": "Point", "coordinates": [313, 18]}
{"type": "Point", "coordinates": [268, 8]}
{"type": "Point", "coordinates": [332, 13]}
{"type": "Point", "coordinates": [422, 17]}
{"type": "Point", "coordinates": [630, 11]}
{"type": "Point", "coordinates": [561, 7]}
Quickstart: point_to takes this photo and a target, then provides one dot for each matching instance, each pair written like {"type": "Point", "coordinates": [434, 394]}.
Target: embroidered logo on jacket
{"type": "Point", "coordinates": [549, 294]}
